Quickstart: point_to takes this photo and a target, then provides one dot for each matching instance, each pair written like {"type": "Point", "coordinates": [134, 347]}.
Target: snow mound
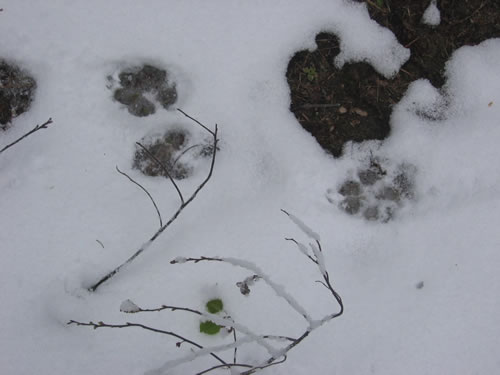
{"type": "Point", "coordinates": [432, 15]}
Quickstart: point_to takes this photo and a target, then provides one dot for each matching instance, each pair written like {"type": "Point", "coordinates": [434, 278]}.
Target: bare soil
{"type": "Point", "coordinates": [17, 89]}
{"type": "Point", "coordinates": [355, 102]}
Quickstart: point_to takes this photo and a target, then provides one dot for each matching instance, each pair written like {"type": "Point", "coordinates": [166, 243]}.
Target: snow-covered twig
{"type": "Point", "coordinates": [278, 289]}
{"type": "Point", "coordinates": [302, 226]}
{"type": "Point", "coordinates": [45, 125]}
{"type": "Point", "coordinates": [183, 205]}
{"type": "Point", "coordinates": [285, 344]}
{"type": "Point", "coordinates": [227, 322]}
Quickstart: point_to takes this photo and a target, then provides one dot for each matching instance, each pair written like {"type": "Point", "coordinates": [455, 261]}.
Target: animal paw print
{"type": "Point", "coordinates": [375, 192]}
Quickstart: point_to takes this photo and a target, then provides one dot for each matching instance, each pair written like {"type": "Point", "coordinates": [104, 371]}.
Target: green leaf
{"type": "Point", "coordinates": [311, 73]}
{"type": "Point", "coordinates": [214, 306]}
{"type": "Point", "coordinates": [209, 328]}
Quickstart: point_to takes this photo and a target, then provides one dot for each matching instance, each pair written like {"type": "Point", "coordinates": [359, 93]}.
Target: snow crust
{"type": "Point", "coordinates": [60, 193]}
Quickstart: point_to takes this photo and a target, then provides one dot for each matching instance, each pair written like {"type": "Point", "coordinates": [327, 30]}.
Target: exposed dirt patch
{"type": "Point", "coordinates": [17, 89]}
{"type": "Point", "coordinates": [354, 103]}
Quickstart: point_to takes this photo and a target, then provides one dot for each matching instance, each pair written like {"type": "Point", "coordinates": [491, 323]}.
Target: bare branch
{"type": "Point", "coordinates": [129, 325]}
{"type": "Point", "coordinates": [278, 289]}
{"type": "Point", "coordinates": [262, 367]}
{"type": "Point", "coordinates": [147, 193]}
{"type": "Point", "coordinates": [304, 252]}
{"type": "Point", "coordinates": [235, 354]}
{"type": "Point", "coordinates": [195, 120]}
{"type": "Point", "coordinates": [222, 366]}
{"type": "Point", "coordinates": [184, 152]}
{"type": "Point", "coordinates": [165, 307]}
{"type": "Point", "coordinates": [144, 247]}
{"type": "Point", "coordinates": [276, 354]}
{"type": "Point", "coordinates": [35, 129]}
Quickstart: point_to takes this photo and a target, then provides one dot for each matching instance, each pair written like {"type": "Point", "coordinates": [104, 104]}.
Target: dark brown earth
{"type": "Point", "coordinates": [355, 102]}
{"type": "Point", "coordinates": [17, 89]}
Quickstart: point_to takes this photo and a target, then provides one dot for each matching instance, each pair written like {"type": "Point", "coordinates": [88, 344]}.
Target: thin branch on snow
{"type": "Point", "coordinates": [185, 152]}
{"type": "Point", "coordinates": [276, 355]}
{"type": "Point", "coordinates": [147, 328]}
{"type": "Point", "coordinates": [303, 249]}
{"type": "Point", "coordinates": [45, 125]}
{"type": "Point", "coordinates": [145, 191]}
{"type": "Point", "coordinates": [240, 365]}
{"type": "Point", "coordinates": [278, 289]}
{"type": "Point", "coordinates": [303, 227]}
{"type": "Point", "coordinates": [183, 205]}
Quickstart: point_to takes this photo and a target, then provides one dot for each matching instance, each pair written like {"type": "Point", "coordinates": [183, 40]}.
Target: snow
{"type": "Point", "coordinates": [60, 193]}
{"type": "Point", "coordinates": [304, 228]}
{"type": "Point", "coordinates": [432, 16]}
{"type": "Point", "coordinates": [129, 307]}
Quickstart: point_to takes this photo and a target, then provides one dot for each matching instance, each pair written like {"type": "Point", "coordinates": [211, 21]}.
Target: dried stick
{"type": "Point", "coordinates": [128, 325]}
{"type": "Point", "coordinates": [145, 246]}
{"type": "Point", "coordinates": [184, 152]}
{"type": "Point", "coordinates": [240, 365]}
{"type": "Point", "coordinates": [147, 193]}
{"type": "Point", "coordinates": [35, 129]}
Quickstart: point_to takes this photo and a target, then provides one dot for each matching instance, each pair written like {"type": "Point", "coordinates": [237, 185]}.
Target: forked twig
{"type": "Point", "coordinates": [183, 205]}
{"type": "Point", "coordinates": [35, 129]}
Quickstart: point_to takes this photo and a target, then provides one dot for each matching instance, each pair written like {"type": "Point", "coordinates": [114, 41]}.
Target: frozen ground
{"type": "Point", "coordinates": [59, 193]}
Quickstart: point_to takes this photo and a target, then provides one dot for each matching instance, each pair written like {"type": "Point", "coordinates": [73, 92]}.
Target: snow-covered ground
{"type": "Point", "coordinates": [59, 193]}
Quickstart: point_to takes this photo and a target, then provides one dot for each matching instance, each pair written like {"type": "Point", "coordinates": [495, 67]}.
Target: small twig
{"type": "Point", "coordinates": [307, 255]}
{"type": "Point", "coordinates": [322, 283]}
{"type": "Point", "coordinates": [165, 307]}
{"type": "Point", "coordinates": [144, 247]}
{"type": "Point", "coordinates": [278, 289]}
{"type": "Point", "coordinates": [374, 5]}
{"type": "Point", "coordinates": [195, 120]}
{"type": "Point", "coordinates": [129, 325]}
{"type": "Point", "coordinates": [147, 193]}
{"type": "Point", "coordinates": [413, 41]}
{"type": "Point", "coordinates": [483, 4]}
{"type": "Point", "coordinates": [235, 355]}
{"type": "Point", "coordinates": [262, 367]}
{"type": "Point", "coordinates": [162, 166]}
{"type": "Point", "coordinates": [222, 366]}
{"type": "Point", "coordinates": [35, 129]}
{"type": "Point", "coordinates": [327, 105]}
{"type": "Point", "coordinates": [251, 371]}
{"type": "Point", "coordinates": [183, 153]}
{"type": "Point", "coordinates": [100, 243]}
